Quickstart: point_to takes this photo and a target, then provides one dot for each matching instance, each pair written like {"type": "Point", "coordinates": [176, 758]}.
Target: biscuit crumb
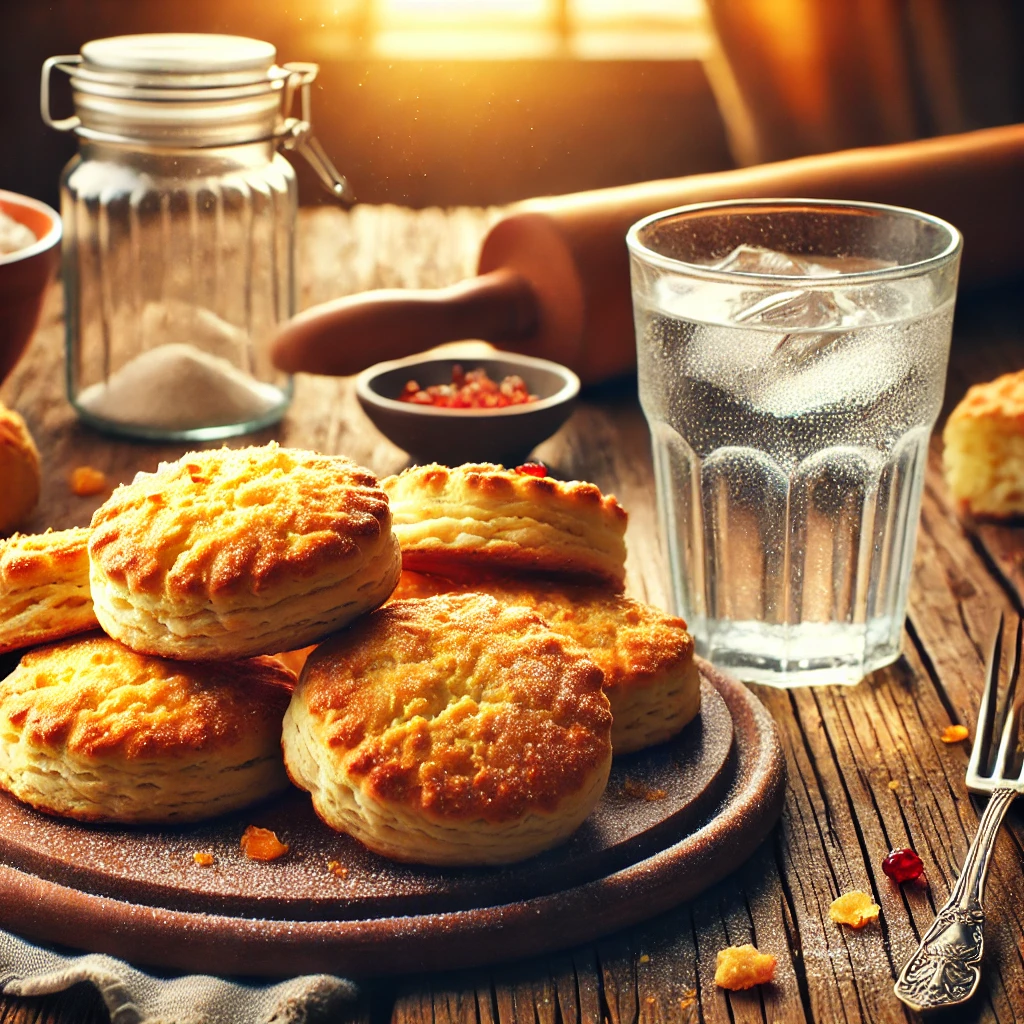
{"type": "Point", "coordinates": [854, 909]}
{"type": "Point", "coordinates": [86, 481]}
{"type": "Point", "coordinates": [954, 734]}
{"type": "Point", "coordinates": [688, 999]}
{"type": "Point", "coordinates": [203, 858]}
{"type": "Point", "coordinates": [894, 784]}
{"type": "Point", "coordinates": [262, 844]}
{"type": "Point", "coordinates": [337, 869]}
{"type": "Point", "coordinates": [740, 967]}
{"type": "Point", "coordinates": [642, 792]}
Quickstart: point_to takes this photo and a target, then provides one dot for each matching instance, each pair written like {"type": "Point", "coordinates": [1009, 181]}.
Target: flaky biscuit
{"type": "Point", "coordinates": [94, 731]}
{"type": "Point", "coordinates": [485, 517]}
{"type": "Point", "coordinates": [453, 730]}
{"type": "Point", "coordinates": [44, 588]}
{"type": "Point", "coordinates": [19, 470]}
{"type": "Point", "coordinates": [983, 454]}
{"type": "Point", "coordinates": [645, 655]}
{"type": "Point", "coordinates": [231, 553]}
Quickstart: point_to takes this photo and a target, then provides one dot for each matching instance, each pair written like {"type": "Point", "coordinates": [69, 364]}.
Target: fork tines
{"type": "Point", "coordinates": [988, 767]}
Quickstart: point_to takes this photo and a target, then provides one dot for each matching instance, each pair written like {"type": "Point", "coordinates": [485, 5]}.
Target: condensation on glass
{"type": "Point", "coordinates": [179, 229]}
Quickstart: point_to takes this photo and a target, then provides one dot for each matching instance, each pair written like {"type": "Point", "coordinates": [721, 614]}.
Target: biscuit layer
{"type": "Point", "coordinates": [645, 655]}
{"type": "Point", "coordinates": [452, 730]}
{"type": "Point", "coordinates": [93, 731]}
{"type": "Point", "coordinates": [19, 470]}
{"type": "Point", "coordinates": [230, 553]}
{"type": "Point", "coordinates": [44, 588]}
{"type": "Point", "coordinates": [983, 453]}
{"type": "Point", "coordinates": [487, 518]}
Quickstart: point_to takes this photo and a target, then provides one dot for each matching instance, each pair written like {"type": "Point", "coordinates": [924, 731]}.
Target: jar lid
{"type": "Point", "coordinates": [182, 53]}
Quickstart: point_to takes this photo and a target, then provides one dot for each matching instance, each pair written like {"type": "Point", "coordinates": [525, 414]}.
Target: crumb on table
{"type": "Point", "coordinates": [741, 967]}
{"type": "Point", "coordinates": [262, 844]}
{"type": "Point", "coordinates": [639, 791]}
{"type": "Point", "coordinates": [854, 909]}
{"type": "Point", "coordinates": [86, 481]}
{"type": "Point", "coordinates": [203, 858]}
{"type": "Point", "coordinates": [337, 869]}
{"type": "Point", "coordinates": [954, 734]}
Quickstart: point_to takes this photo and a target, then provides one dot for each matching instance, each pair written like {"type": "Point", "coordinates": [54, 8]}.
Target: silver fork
{"type": "Point", "coordinates": [946, 968]}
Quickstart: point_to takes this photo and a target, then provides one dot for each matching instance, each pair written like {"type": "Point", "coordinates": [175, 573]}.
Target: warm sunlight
{"type": "Point", "coordinates": [505, 29]}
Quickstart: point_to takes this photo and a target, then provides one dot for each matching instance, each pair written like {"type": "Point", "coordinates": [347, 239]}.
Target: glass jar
{"type": "Point", "coordinates": [179, 231]}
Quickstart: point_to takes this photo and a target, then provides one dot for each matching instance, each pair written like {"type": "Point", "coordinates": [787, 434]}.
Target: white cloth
{"type": "Point", "coordinates": [135, 997]}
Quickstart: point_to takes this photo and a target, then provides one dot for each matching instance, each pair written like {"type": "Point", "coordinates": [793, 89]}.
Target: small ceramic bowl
{"type": "Point", "coordinates": [25, 274]}
{"type": "Point", "coordinates": [454, 436]}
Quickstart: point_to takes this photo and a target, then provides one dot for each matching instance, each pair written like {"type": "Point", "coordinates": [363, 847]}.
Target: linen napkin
{"type": "Point", "coordinates": [135, 997]}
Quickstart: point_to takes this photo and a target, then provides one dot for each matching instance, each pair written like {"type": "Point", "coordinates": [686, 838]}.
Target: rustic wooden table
{"type": "Point", "coordinates": [867, 771]}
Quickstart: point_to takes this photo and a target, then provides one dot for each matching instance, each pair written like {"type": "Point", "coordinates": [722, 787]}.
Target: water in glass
{"type": "Point", "coordinates": [790, 434]}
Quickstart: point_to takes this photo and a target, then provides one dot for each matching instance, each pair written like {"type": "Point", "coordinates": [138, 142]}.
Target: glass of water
{"type": "Point", "coordinates": [792, 357]}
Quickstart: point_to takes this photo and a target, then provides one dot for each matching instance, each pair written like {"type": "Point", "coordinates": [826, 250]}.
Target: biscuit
{"type": "Point", "coordinates": [983, 454]}
{"type": "Point", "coordinates": [453, 730]}
{"type": "Point", "coordinates": [486, 518]}
{"type": "Point", "coordinates": [646, 656]}
{"type": "Point", "coordinates": [231, 553]}
{"type": "Point", "coordinates": [44, 588]}
{"type": "Point", "coordinates": [19, 470]}
{"type": "Point", "coordinates": [93, 731]}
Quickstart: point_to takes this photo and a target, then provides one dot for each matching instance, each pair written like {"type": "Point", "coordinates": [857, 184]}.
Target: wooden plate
{"type": "Point", "coordinates": [674, 820]}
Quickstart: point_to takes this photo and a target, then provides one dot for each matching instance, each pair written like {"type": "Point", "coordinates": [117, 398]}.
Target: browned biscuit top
{"type": "Point", "coordinates": [1002, 398]}
{"type": "Point", "coordinates": [232, 521]}
{"type": "Point", "coordinates": [35, 559]}
{"type": "Point", "coordinates": [629, 641]}
{"type": "Point", "coordinates": [459, 707]}
{"type": "Point", "coordinates": [501, 485]}
{"type": "Point", "coordinates": [92, 697]}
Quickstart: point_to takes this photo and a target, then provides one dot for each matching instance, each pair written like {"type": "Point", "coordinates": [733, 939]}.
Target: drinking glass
{"type": "Point", "coordinates": [792, 356]}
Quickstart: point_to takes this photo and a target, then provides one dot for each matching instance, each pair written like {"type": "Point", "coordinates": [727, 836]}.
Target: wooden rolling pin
{"type": "Point", "coordinates": [554, 273]}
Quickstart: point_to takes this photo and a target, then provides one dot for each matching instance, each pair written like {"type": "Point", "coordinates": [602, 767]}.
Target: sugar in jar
{"type": "Point", "coordinates": [179, 230]}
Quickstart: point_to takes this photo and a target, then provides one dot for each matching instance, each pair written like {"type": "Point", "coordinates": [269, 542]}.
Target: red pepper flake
{"type": "Point", "coordinates": [903, 865]}
{"type": "Point", "coordinates": [472, 390]}
{"type": "Point", "coordinates": [532, 469]}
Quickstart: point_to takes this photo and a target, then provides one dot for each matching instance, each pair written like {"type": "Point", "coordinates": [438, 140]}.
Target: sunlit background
{"type": "Point", "coordinates": [449, 102]}
{"type": "Point", "coordinates": [515, 29]}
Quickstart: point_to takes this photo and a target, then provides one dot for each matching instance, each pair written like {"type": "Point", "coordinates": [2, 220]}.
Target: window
{"type": "Point", "coordinates": [507, 29]}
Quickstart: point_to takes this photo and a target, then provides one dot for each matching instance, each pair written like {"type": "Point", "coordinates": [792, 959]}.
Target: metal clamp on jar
{"type": "Point", "coordinates": [179, 230]}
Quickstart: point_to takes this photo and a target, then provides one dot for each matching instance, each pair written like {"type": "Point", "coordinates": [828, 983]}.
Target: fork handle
{"type": "Point", "coordinates": [945, 970]}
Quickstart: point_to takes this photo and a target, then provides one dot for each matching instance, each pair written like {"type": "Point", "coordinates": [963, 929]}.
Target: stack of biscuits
{"type": "Point", "coordinates": [467, 660]}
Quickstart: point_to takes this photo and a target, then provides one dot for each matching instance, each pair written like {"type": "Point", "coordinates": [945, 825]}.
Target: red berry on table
{"type": "Point", "coordinates": [532, 469]}
{"type": "Point", "coordinates": [903, 866]}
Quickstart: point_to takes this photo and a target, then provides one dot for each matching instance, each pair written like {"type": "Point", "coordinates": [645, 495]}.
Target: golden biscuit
{"type": "Point", "coordinates": [984, 449]}
{"type": "Point", "coordinates": [486, 518]}
{"type": "Point", "coordinates": [19, 470]}
{"type": "Point", "coordinates": [94, 731]}
{"type": "Point", "coordinates": [44, 588]}
{"type": "Point", "coordinates": [230, 553]}
{"type": "Point", "coordinates": [646, 656]}
{"type": "Point", "coordinates": [453, 730]}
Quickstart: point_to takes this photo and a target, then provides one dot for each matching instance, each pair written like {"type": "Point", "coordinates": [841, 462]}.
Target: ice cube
{"type": "Point", "coordinates": [841, 370]}
{"type": "Point", "coordinates": [754, 259]}
{"type": "Point", "coordinates": [793, 310]}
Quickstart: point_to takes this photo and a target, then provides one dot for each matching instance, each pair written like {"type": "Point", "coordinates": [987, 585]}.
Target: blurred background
{"type": "Point", "coordinates": [444, 102]}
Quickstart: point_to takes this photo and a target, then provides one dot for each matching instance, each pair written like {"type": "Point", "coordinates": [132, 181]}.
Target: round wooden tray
{"type": "Point", "coordinates": [674, 820]}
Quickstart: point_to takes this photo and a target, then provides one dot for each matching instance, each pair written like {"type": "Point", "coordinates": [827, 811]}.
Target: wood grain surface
{"type": "Point", "coordinates": [867, 770]}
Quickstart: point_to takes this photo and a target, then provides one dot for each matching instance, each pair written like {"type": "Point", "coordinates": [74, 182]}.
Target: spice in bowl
{"type": "Point", "coordinates": [472, 390]}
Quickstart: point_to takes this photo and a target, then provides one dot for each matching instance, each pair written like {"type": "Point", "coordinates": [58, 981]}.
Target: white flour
{"type": "Point", "coordinates": [14, 235]}
{"type": "Point", "coordinates": [179, 387]}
